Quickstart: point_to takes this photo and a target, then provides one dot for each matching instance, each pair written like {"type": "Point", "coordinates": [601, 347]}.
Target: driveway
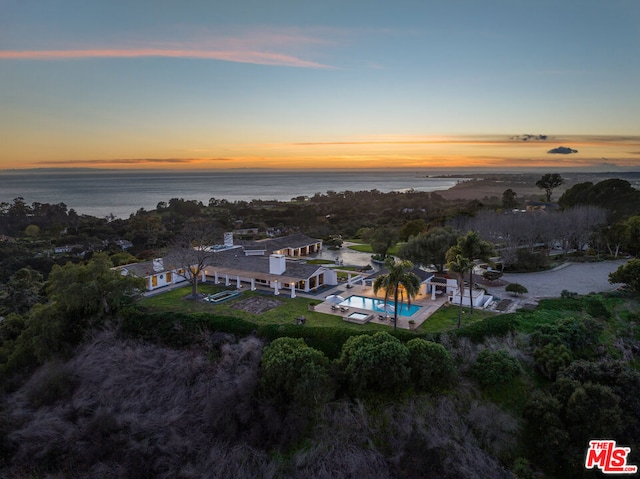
{"type": "Point", "coordinates": [582, 278]}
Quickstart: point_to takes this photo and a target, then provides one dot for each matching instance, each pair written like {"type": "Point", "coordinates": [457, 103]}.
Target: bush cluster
{"type": "Point", "coordinates": [495, 367]}
{"type": "Point", "coordinates": [493, 326]}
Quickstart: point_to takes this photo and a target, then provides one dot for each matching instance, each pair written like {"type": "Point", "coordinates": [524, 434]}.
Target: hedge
{"type": "Point", "coordinates": [177, 329]}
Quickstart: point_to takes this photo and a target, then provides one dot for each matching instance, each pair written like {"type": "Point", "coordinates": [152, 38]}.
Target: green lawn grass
{"type": "Point", "coordinates": [446, 318]}
{"type": "Point", "coordinates": [362, 248]}
{"type": "Point", "coordinates": [285, 313]}
{"type": "Point", "coordinates": [366, 248]}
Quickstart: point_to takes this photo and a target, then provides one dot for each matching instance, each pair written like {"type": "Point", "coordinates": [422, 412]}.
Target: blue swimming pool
{"type": "Point", "coordinates": [377, 305]}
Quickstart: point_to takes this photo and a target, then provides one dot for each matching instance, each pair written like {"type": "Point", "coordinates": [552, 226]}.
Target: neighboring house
{"type": "Point", "coordinates": [67, 248]}
{"type": "Point", "coordinates": [156, 273]}
{"type": "Point", "coordinates": [295, 245]}
{"type": "Point", "coordinates": [124, 244]}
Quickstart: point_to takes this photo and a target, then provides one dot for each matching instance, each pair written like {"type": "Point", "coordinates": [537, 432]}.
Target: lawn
{"type": "Point", "coordinates": [366, 248]}
{"type": "Point", "coordinates": [286, 311]}
{"type": "Point", "coordinates": [446, 318]}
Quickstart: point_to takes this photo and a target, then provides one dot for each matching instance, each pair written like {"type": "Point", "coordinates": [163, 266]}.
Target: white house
{"type": "Point", "coordinates": [251, 264]}
{"type": "Point", "coordinates": [275, 271]}
{"type": "Point", "coordinates": [156, 273]}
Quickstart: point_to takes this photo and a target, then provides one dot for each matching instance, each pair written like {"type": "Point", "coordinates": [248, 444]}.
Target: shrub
{"type": "Point", "coordinates": [375, 364]}
{"type": "Point", "coordinates": [593, 410]}
{"type": "Point", "coordinates": [495, 367]}
{"type": "Point", "coordinates": [565, 293]}
{"type": "Point", "coordinates": [596, 307]}
{"type": "Point", "coordinates": [491, 275]}
{"type": "Point", "coordinates": [493, 326]}
{"type": "Point", "coordinates": [516, 288]}
{"type": "Point", "coordinates": [432, 367]}
{"type": "Point", "coordinates": [545, 434]}
{"type": "Point", "coordinates": [551, 359]}
{"type": "Point", "coordinates": [578, 334]}
{"type": "Point", "coordinates": [292, 372]}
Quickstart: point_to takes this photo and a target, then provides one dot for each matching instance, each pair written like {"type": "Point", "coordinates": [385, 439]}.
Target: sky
{"type": "Point", "coordinates": [200, 84]}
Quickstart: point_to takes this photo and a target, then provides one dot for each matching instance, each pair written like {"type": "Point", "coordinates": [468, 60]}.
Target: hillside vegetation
{"type": "Point", "coordinates": [521, 393]}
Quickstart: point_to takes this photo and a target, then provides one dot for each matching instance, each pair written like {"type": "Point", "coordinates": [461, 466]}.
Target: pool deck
{"type": "Point", "coordinates": [428, 307]}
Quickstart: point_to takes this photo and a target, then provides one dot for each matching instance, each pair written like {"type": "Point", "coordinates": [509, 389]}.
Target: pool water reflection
{"type": "Point", "coordinates": [377, 305]}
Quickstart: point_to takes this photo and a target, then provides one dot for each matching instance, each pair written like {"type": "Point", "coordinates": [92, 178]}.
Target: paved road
{"type": "Point", "coordinates": [582, 278]}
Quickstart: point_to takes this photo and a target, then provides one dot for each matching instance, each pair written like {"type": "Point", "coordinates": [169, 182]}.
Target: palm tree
{"type": "Point", "coordinates": [471, 247]}
{"type": "Point", "coordinates": [397, 282]}
{"type": "Point", "coordinates": [460, 265]}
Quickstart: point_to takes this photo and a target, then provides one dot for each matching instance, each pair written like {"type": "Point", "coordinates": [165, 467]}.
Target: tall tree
{"type": "Point", "coordinates": [412, 228]}
{"type": "Point", "coordinates": [616, 195]}
{"type": "Point", "coordinates": [628, 274]}
{"type": "Point", "coordinates": [549, 182]}
{"type": "Point", "coordinates": [470, 246]}
{"type": "Point", "coordinates": [382, 240]}
{"type": "Point", "coordinates": [430, 248]}
{"type": "Point", "coordinates": [91, 289]}
{"type": "Point", "coordinates": [190, 251]}
{"type": "Point", "coordinates": [460, 265]}
{"type": "Point", "coordinates": [509, 199]}
{"type": "Point", "coordinates": [397, 283]}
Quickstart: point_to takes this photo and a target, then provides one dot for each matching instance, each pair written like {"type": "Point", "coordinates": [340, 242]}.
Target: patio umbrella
{"type": "Point", "coordinates": [334, 299]}
{"type": "Point", "coordinates": [388, 308]}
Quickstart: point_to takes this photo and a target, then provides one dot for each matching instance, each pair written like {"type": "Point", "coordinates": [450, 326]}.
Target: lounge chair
{"type": "Point", "coordinates": [344, 309]}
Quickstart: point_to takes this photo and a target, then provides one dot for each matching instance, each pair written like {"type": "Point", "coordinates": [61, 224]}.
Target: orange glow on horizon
{"type": "Point", "coordinates": [377, 152]}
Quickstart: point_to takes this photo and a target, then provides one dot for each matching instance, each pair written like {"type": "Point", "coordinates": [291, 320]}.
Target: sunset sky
{"type": "Point", "coordinates": [297, 83]}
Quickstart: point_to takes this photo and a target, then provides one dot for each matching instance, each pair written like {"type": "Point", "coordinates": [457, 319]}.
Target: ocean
{"type": "Point", "coordinates": [101, 193]}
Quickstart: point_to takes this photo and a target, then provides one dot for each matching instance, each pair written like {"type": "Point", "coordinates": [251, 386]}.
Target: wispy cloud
{"type": "Point", "coordinates": [256, 57]}
{"type": "Point", "coordinates": [288, 47]}
{"type": "Point", "coordinates": [131, 161]}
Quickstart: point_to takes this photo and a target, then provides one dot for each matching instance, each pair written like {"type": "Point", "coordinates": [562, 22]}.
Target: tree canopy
{"type": "Point", "coordinates": [616, 195]}
{"type": "Point", "coordinates": [548, 183]}
{"type": "Point", "coordinates": [375, 363]}
{"type": "Point", "coordinates": [190, 251]}
{"type": "Point", "coordinates": [294, 372]}
{"type": "Point", "coordinates": [430, 248]}
{"type": "Point", "coordinates": [628, 274]}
